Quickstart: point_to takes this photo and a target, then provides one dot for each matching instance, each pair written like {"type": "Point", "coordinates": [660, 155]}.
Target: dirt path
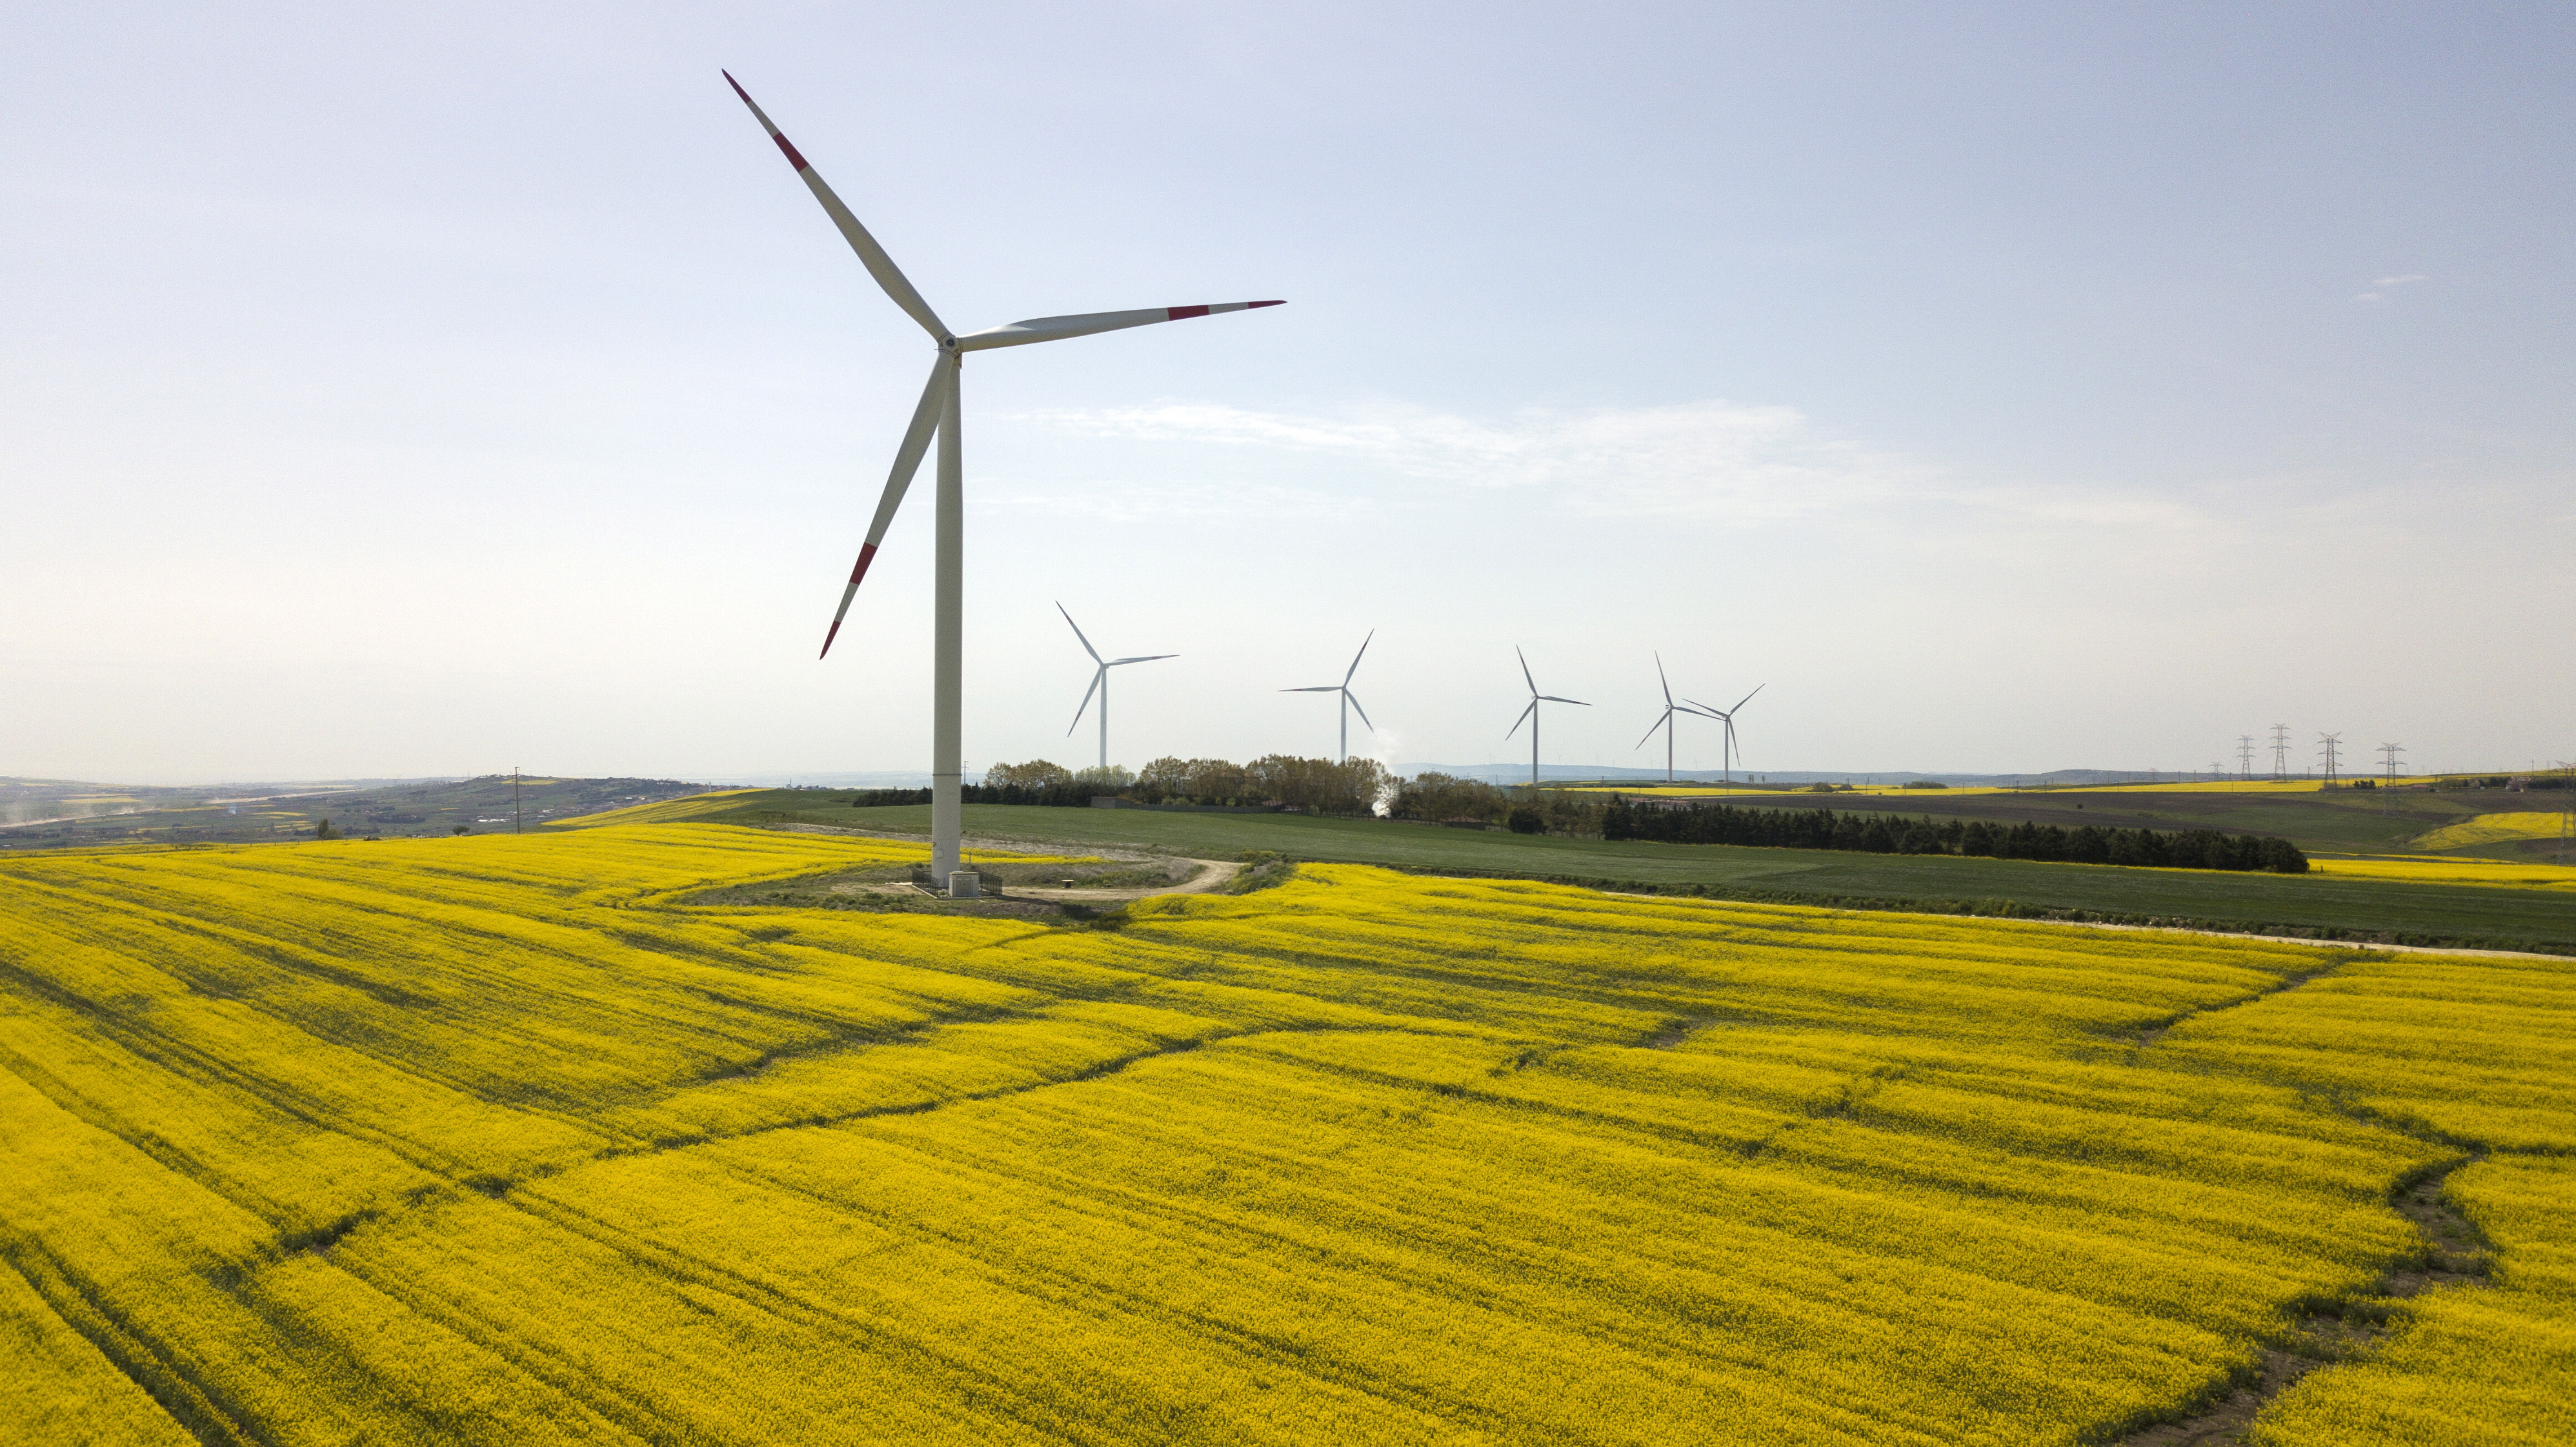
{"type": "Point", "coordinates": [1212, 873]}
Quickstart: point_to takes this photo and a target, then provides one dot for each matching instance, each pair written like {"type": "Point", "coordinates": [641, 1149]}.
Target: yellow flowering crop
{"type": "Point", "coordinates": [2435, 869]}
{"type": "Point", "coordinates": [2494, 829]}
{"type": "Point", "coordinates": [498, 1139]}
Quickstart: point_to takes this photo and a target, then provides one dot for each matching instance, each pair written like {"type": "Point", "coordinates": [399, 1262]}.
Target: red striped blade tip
{"type": "Point", "coordinates": [775, 134]}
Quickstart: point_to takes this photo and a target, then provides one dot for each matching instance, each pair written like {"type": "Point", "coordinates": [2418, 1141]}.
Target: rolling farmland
{"type": "Point", "coordinates": [2468, 903]}
{"type": "Point", "coordinates": [501, 1139]}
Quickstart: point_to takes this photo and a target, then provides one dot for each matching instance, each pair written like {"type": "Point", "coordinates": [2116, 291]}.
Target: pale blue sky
{"type": "Point", "coordinates": [2007, 387]}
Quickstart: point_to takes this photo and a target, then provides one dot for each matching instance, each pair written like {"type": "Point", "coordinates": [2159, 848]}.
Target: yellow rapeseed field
{"type": "Point", "coordinates": [501, 1139]}
{"type": "Point", "coordinates": [2494, 829]}
{"type": "Point", "coordinates": [2440, 869]}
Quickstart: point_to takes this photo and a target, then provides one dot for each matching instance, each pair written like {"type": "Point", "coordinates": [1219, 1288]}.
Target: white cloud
{"type": "Point", "coordinates": [1698, 458]}
{"type": "Point", "coordinates": [2399, 280]}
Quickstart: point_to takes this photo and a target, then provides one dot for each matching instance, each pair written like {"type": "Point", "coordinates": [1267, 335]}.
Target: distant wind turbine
{"type": "Point", "coordinates": [1665, 720]}
{"type": "Point", "coordinates": [1350, 700]}
{"type": "Point", "coordinates": [1529, 715]}
{"type": "Point", "coordinates": [1100, 684]}
{"type": "Point", "coordinates": [1732, 753]}
{"type": "Point", "coordinates": [938, 414]}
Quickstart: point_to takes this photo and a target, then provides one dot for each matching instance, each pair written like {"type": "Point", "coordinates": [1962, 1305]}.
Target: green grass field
{"type": "Point", "coordinates": [2458, 914]}
{"type": "Point", "coordinates": [2342, 821]}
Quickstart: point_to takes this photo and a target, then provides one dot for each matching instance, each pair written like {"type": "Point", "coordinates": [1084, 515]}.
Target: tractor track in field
{"type": "Point", "coordinates": [2455, 1256]}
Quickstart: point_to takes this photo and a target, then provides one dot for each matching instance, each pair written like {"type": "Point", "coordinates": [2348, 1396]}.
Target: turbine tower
{"type": "Point", "coordinates": [1664, 721]}
{"type": "Point", "coordinates": [1529, 715]}
{"type": "Point", "coordinates": [1350, 700]}
{"type": "Point", "coordinates": [1100, 684]}
{"type": "Point", "coordinates": [1727, 765]}
{"type": "Point", "coordinates": [938, 413]}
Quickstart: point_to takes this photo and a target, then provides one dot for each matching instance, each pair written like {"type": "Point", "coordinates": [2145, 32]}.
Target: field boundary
{"type": "Point", "coordinates": [2322, 935]}
{"type": "Point", "coordinates": [2444, 941]}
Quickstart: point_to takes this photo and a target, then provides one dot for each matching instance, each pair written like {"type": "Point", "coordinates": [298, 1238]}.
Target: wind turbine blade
{"type": "Point", "coordinates": [1355, 664]}
{"type": "Point", "coordinates": [1748, 698]}
{"type": "Point", "coordinates": [1146, 658]}
{"type": "Point", "coordinates": [1704, 710]}
{"type": "Point", "coordinates": [1663, 722]}
{"type": "Point", "coordinates": [871, 255]}
{"type": "Point", "coordinates": [1524, 718]}
{"type": "Point", "coordinates": [1096, 678]}
{"type": "Point", "coordinates": [1318, 688]}
{"type": "Point", "coordinates": [907, 461]}
{"type": "Point", "coordinates": [1525, 673]}
{"type": "Point", "coordinates": [1077, 632]}
{"type": "Point", "coordinates": [1667, 683]}
{"type": "Point", "coordinates": [1363, 713]}
{"type": "Point", "coordinates": [1056, 329]}
{"type": "Point", "coordinates": [1552, 698]}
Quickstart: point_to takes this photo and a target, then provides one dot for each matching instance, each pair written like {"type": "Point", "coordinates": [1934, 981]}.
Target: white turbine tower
{"type": "Point", "coordinates": [1664, 721]}
{"type": "Point", "coordinates": [938, 413]}
{"type": "Point", "coordinates": [1529, 715]}
{"type": "Point", "coordinates": [1100, 684]}
{"type": "Point", "coordinates": [1728, 715]}
{"type": "Point", "coordinates": [1350, 700]}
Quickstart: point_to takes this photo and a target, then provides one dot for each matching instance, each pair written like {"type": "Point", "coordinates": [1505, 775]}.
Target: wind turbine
{"type": "Point", "coordinates": [1665, 720]}
{"type": "Point", "coordinates": [1731, 753]}
{"type": "Point", "coordinates": [1100, 684]}
{"type": "Point", "coordinates": [938, 413]}
{"type": "Point", "coordinates": [1350, 700]}
{"type": "Point", "coordinates": [1529, 715]}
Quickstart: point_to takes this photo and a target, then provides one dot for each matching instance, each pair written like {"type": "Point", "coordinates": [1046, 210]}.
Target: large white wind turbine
{"type": "Point", "coordinates": [1529, 715]}
{"type": "Point", "coordinates": [1728, 715]}
{"type": "Point", "coordinates": [1350, 700]}
{"type": "Point", "coordinates": [1664, 721]}
{"type": "Point", "coordinates": [1100, 684]}
{"type": "Point", "coordinates": [938, 413]}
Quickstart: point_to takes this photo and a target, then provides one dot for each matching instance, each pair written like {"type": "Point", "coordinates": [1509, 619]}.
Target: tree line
{"type": "Point", "coordinates": [1895, 834]}
{"type": "Point", "coordinates": [1315, 786]}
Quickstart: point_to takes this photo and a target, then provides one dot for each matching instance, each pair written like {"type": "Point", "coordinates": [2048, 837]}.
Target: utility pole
{"type": "Point", "coordinates": [514, 798]}
{"type": "Point", "coordinates": [2327, 745]}
{"type": "Point", "coordinates": [2245, 758]}
{"type": "Point", "coordinates": [2281, 753]}
{"type": "Point", "coordinates": [2567, 808]}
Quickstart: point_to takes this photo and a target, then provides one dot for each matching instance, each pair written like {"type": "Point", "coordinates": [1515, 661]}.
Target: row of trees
{"type": "Point", "coordinates": [1895, 834]}
{"type": "Point", "coordinates": [1317, 786]}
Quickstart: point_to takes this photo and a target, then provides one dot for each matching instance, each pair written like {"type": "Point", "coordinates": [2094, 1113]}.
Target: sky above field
{"type": "Point", "coordinates": [2006, 388]}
